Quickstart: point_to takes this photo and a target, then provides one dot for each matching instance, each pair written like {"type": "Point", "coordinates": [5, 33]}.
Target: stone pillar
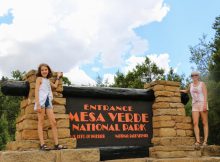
{"type": "Point", "coordinates": [26, 137]}
{"type": "Point", "coordinates": [172, 129]}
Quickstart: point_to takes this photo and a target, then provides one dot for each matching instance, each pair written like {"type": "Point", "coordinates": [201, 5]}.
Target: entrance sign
{"type": "Point", "coordinates": [99, 122]}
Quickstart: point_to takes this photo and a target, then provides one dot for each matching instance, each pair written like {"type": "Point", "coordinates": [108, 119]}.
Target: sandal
{"type": "Point", "coordinates": [204, 143]}
{"type": "Point", "coordinates": [197, 145]}
{"type": "Point", "coordinates": [44, 148]}
{"type": "Point", "coordinates": [59, 147]}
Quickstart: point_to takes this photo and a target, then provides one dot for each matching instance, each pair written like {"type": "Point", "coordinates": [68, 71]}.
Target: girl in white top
{"type": "Point", "coordinates": [43, 103]}
{"type": "Point", "coordinates": [198, 92]}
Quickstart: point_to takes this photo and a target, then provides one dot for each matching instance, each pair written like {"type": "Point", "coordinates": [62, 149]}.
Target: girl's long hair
{"type": "Point", "coordinates": [39, 70]}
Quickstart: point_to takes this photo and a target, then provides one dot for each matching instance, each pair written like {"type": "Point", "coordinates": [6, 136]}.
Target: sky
{"type": "Point", "coordinates": [87, 38]}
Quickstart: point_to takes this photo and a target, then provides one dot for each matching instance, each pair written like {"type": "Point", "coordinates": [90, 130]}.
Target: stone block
{"type": "Point", "coordinates": [172, 88]}
{"type": "Point", "coordinates": [23, 145]}
{"type": "Point", "coordinates": [59, 101]}
{"type": "Point", "coordinates": [174, 141]}
{"type": "Point", "coordinates": [176, 105]}
{"type": "Point", "coordinates": [211, 150]}
{"type": "Point", "coordinates": [60, 109]}
{"type": "Point", "coordinates": [168, 99]}
{"type": "Point", "coordinates": [59, 88]}
{"type": "Point", "coordinates": [184, 126]}
{"type": "Point", "coordinates": [158, 88]}
{"type": "Point", "coordinates": [161, 118]}
{"type": "Point", "coordinates": [81, 155]}
{"type": "Point", "coordinates": [190, 133]}
{"type": "Point", "coordinates": [161, 105]}
{"type": "Point", "coordinates": [62, 133]}
{"type": "Point", "coordinates": [24, 103]}
{"type": "Point", "coordinates": [30, 109]}
{"type": "Point", "coordinates": [29, 124]}
{"type": "Point", "coordinates": [158, 112]}
{"type": "Point", "coordinates": [181, 112]}
{"type": "Point", "coordinates": [163, 94]}
{"type": "Point", "coordinates": [31, 135]}
{"type": "Point", "coordinates": [181, 132]}
{"type": "Point", "coordinates": [63, 123]}
{"type": "Point", "coordinates": [182, 119]}
{"type": "Point", "coordinates": [167, 132]}
{"type": "Point", "coordinates": [164, 124]}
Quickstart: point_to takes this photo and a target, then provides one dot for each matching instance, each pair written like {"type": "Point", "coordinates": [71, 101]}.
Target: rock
{"type": "Point", "coordinates": [161, 118]}
{"type": "Point", "coordinates": [30, 109]}
{"type": "Point", "coordinates": [31, 135]}
{"type": "Point", "coordinates": [172, 88]}
{"type": "Point", "coordinates": [176, 105]}
{"type": "Point", "coordinates": [158, 88]}
{"type": "Point", "coordinates": [167, 132]}
{"type": "Point", "coordinates": [189, 133]}
{"type": "Point", "coordinates": [211, 150]}
{"type": "Point", "coordinates": [184, 126]}
{"type": "Point", "coordinates": [168, 99]}
{"type": "Point", "coordinates": [161, 105]}
{"type": "Point", "coordinates": [24, 103]}
{"type": "Point", "coordinates": [62, 133]}
{"type": "Point", "coordinates": [159, 112]}
{"type": "Point", "coordinates": [181, 132]}
{"type": "Point", "coordinates": [181, 112]}
{"type": "Point", "coordinates": [59, 101]}
{"type": "Point", "coordinates": [63, 123]}
{"type": "Point", "coordinates": [59, 109]}
{"type": "Point", "coordinates": [164, 94]}
{"type": "Point", "coordinates": [164, 124]}
{"type": "Point", "coordinates": [84, 155]}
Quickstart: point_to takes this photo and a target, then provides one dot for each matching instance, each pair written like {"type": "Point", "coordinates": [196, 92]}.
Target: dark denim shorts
{"type": "Point", "coordinates": [47, 104]}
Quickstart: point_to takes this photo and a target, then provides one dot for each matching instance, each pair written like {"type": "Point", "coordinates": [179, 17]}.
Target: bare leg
{"type": "Point", "coordinates": [204, 116]}
{"type": "Point", "coordinates": [195, 116]}
{"type": "Point", "coordinates": [40, 125]}
{"type": "Point", "coordinates": [53, 123]}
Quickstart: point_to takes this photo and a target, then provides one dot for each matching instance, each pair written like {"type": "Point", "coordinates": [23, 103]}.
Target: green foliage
{"type": "Point", "coordinates": [9, 110]}
{"type": "Point", "coordinates": [66, 81]}
{"type": "Point", "coordinates": [4, 134]}
{"type": "Point", "coordinates": [17, 75]}
{"type": "Point", "coordinates": [99, 81]}
{"type": "Point", "coordinates": [133, 78]}
{"type": "Point", "coordinates": [149, 70]}
{"type": "Point", "coordinates": [201, 55]}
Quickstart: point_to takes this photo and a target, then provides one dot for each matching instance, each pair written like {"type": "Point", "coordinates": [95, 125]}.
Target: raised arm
{"type": "Point", "coordinates": [55, 85]}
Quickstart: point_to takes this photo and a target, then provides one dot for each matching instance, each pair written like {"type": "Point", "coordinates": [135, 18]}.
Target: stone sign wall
{"type": "Point", "coordinates": [26, 137]}
{"type": "Point", "coordinates": [172, 129]}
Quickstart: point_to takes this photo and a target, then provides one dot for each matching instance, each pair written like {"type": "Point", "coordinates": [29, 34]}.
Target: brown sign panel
{"type": "Point", "coordinates": [100, 122]}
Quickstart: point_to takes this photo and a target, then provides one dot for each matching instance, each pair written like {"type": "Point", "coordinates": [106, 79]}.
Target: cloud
{"type": "Point", "coordinates": [132, 62]}
{"type": "Point", "coordinates": [69, 33]}
{"type": "Point", "coordinates": [78, 77]}
{"type": "Point", "coordinates": [161, 60]}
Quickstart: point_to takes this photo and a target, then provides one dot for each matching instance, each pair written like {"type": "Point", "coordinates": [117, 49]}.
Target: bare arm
{"type": "Point", "coordinates": [204, 90]}
{"type": "Point", "coordinates": [55, 85]}
{"type": "Point", "coordinates": [38, 82]}
{"type": "Point", "coordinates": [186, 90]}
